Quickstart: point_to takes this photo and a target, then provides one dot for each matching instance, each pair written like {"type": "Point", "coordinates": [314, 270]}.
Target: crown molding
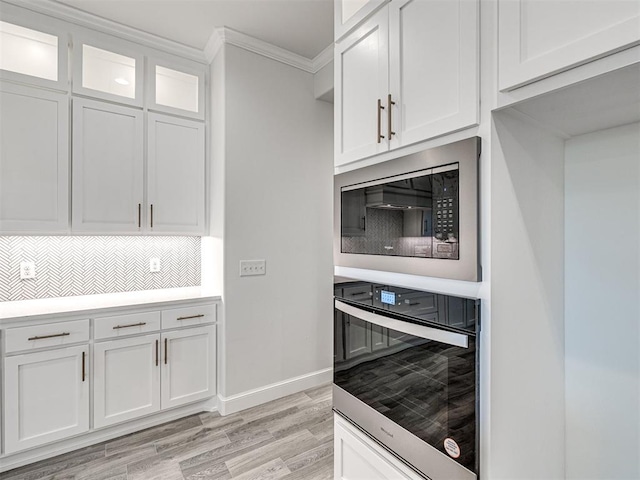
{"type": "Point", "coordinates": [323, 59]}
{"type": "Point", "coordinates": [226, 35]}
{"type": "Point", "coordinates": [88, 20]}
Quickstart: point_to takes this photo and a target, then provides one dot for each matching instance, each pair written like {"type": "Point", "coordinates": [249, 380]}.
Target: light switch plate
{"type": "Point", "coordinates": [252, 267]}
{"type": "Point", "coordinates": [27, 270]}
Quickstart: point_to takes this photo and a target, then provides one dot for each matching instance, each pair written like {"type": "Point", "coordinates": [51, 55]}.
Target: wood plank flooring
{"type": "Point", "coordinates": [290, 438]}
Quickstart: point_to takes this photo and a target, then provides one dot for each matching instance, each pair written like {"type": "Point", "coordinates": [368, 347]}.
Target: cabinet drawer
{"type": "Point", "coordinates": [125, 325]}
{"type": "Point", "coordinates": [48, 335]}
{"type": "Point", "coordinates": [186, 316]}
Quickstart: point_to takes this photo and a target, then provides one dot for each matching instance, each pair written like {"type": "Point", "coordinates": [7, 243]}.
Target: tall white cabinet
{"type": "Point", "coordinates": [108, 167]}
{"type": "Point", "coordinates": [407, 74]}
{"type": "Point", "coordinates": [34, 160]}
{"type": "Point", "coordinates": [46, 397]}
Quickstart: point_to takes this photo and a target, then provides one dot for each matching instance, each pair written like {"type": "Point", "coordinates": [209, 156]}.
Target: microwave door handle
{"type": "Point", "coordinates": [422, 331]}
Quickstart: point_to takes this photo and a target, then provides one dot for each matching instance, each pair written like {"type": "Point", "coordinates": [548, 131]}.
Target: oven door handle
{"type": "Point", "coordinates": [422, 331]}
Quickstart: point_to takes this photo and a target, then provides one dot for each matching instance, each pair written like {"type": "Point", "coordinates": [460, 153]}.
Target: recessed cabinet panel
{"type": "Point", "coordinates": [28, 52]}
{"type": "Point", "coordinates": [361, 79]}
{"type": "Point", "coordinates": [349, 13]}
{"type": "Point", "coordinates": [127, 379]}
{"type": "Point", "coordinates": [46, 397]}
{"type": "Point", "coordinates": [175, 175]}
{"type": "Point", "coordinates": [187, 366]}
{"type": "Point", "coordinates": [433, 68]}
{"type": "Point", "coordinates": [34, 160]}
{"type": "Point", "coordinates": [538, 39]}
{"type": "Point", "coordinates": [107, 168]}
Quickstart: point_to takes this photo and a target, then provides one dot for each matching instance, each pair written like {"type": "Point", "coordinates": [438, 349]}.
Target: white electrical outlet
{"type": "Point", "coordinates": [154, 265]}
{"type": "Point", "coordinates": [252, 267]}
{"type": "Point", "coordinates": [27, 270]}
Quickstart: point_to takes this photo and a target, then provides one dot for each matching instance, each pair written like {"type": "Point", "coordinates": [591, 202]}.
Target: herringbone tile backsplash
{"type": "Point", "coordinates": [68, 266]}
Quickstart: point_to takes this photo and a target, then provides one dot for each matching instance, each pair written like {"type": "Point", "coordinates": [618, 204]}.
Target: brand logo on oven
{"type": "Point", "coordinates": [390, 434]}
{"type": "Point", "coordinates": [388, 247]}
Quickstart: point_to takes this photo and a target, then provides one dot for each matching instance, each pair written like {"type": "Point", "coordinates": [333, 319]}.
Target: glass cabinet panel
{"type": "Point", "coordinates": [28, 52]}
{"type": "Point", "coordinates": [108, 72]}
{"type": "Point", "coordinates": [176, 89]}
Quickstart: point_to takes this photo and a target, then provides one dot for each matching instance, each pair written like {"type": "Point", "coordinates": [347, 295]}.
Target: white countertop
{"type": "Point", "coordinates": [48, 306]}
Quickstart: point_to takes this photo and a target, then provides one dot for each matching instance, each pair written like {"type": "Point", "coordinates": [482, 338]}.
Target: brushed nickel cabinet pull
{"type": "Point", "coordinates": [380, 107]}
{"type": "Point", "coordinates": [84, 370]}
{"type": "Point", "coordinates": [64, 334]}
{"type": "Point", "coordinates": [157, 353]}
{"type": "Point", "coordinates": [389, 103]}
{"type": "Point", "coordinates": [190, 316]}
{"type": "Point", "coordinates": [130, 325]}
{"type": "Point", "coordinates": [139, 215]}
{"type": "Point", "coordinates": [166, 351]}
{"type": "Point", "coordinates": [152, 215]}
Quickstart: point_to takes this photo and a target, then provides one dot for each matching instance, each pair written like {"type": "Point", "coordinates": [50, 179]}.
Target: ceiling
{"type": "Point", "coordinates": [304, 27]}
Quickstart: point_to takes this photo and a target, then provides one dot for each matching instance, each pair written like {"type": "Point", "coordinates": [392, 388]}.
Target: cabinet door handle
{"type": "Point", "coordinates": [190, 316]}
{"type": "Point", "coordinates": [139, 215]}
{"type": "Point", "coordinates": [64, 334]}
{"type": "Point", "coordinates": [389, 103]}
{"type": "Point", "coordinates": [157, 348]}
{"type": "Point", "coordinates": [380, 107]}
{"type": "Point", "coordinates": [130, 325]}
{"type": "Point", "coordinates": [151, 216]}
{"type": "Point", "coordinates": [84, 369]}
{"type": "Point", "coordinates": [166, 351]}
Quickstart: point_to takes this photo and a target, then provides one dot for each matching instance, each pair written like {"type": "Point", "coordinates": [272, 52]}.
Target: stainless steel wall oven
{"type": "Point", "coordinates": [406, 373]}
{"type": "Point", "coordinates": [416, 214]}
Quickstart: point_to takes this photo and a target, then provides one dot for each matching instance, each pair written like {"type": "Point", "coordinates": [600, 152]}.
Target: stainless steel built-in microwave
{"type": "Point", "coordinates": [416, 214]}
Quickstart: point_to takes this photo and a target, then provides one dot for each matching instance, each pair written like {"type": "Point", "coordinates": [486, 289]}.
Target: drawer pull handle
{"type": "Point", "coordinates": [84, 370]}
{"type": "Point", "coordinates": [42, 337]}
{"type": "Point", "coordinates": [130, 325]}
{"type": "Point", "coordinates": [190, 317]}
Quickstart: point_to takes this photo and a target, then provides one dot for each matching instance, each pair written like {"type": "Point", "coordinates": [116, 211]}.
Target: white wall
{"type": "Point", "coordinates": [527, 345]}
{"type": "Point", "coordinates": [602, 309]}
{"type": "Point", "coordinates": [277, 172]}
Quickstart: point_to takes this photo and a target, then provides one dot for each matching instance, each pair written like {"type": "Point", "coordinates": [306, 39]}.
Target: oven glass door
{"type": "Point", "coordinates": [419, 377]}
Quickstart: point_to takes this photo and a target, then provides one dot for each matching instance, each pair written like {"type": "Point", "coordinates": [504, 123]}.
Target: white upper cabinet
{"type": "Point", "coordinates": [175, 179]}
{"type": "Point", "coordinates": [176, 90]}
{"type": "Point", "coordinates": [540, 38]}
{"type": "Point", "coordinates": [433, 68]}
{"type": "Point", "coordinates": [34, 160]}
{"type": "Point", "coordinates": [108, 72]}
{"type": "Point", "coordinates": [349, 13]}
{"type": "Point", "coordinates": [362, 82]}
{"type": "Point", "coordinates": [32, 51]}
{"type": "Point", "coordinates": [407, 74]}
{"type": "Point", "coordinates": [107, 168]}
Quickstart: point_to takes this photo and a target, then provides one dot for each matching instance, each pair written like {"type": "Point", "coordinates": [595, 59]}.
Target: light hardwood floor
{"type": "Point", "coordinates": [290, 438]}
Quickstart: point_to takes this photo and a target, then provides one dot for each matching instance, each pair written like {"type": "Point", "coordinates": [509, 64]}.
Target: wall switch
{"type": "Point", "coordinates": [252, 267]}
{"type": "Point", "coordinates": [27, 270]}
{"type": "Point", "coordinates": [154, 265]}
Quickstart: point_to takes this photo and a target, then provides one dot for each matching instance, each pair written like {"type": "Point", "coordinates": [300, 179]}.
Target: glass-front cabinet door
{"type": "Point", "coordinates": [32, 54]}
{"type": "Point", "coordinates": [108, 71]}
{"type": "Point", "coordinates": [175, 89]}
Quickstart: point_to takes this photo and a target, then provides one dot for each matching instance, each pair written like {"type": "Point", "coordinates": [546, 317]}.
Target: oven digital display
{"type": "Point", "coordinates": [387, 297]}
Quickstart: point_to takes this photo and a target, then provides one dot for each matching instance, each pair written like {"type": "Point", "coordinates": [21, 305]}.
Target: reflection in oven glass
{"type": "Point", "coordinates": [426, 387]}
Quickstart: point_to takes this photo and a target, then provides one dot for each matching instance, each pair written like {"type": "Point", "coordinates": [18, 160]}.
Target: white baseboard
{"type": "Point", "coordinates": [19, 459]}
{"type": "Point", "coordinates": [258, 396]}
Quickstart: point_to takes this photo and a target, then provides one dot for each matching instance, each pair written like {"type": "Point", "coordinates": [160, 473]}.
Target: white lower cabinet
{"type": "Point", "coordinates": [188, 372]}
{"type": "Point", "coordinates": [46, 397]}
{"type": "Point", "coordinates": [356, 457]}
{"type": "Point", "coordinates": [126, 381]}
